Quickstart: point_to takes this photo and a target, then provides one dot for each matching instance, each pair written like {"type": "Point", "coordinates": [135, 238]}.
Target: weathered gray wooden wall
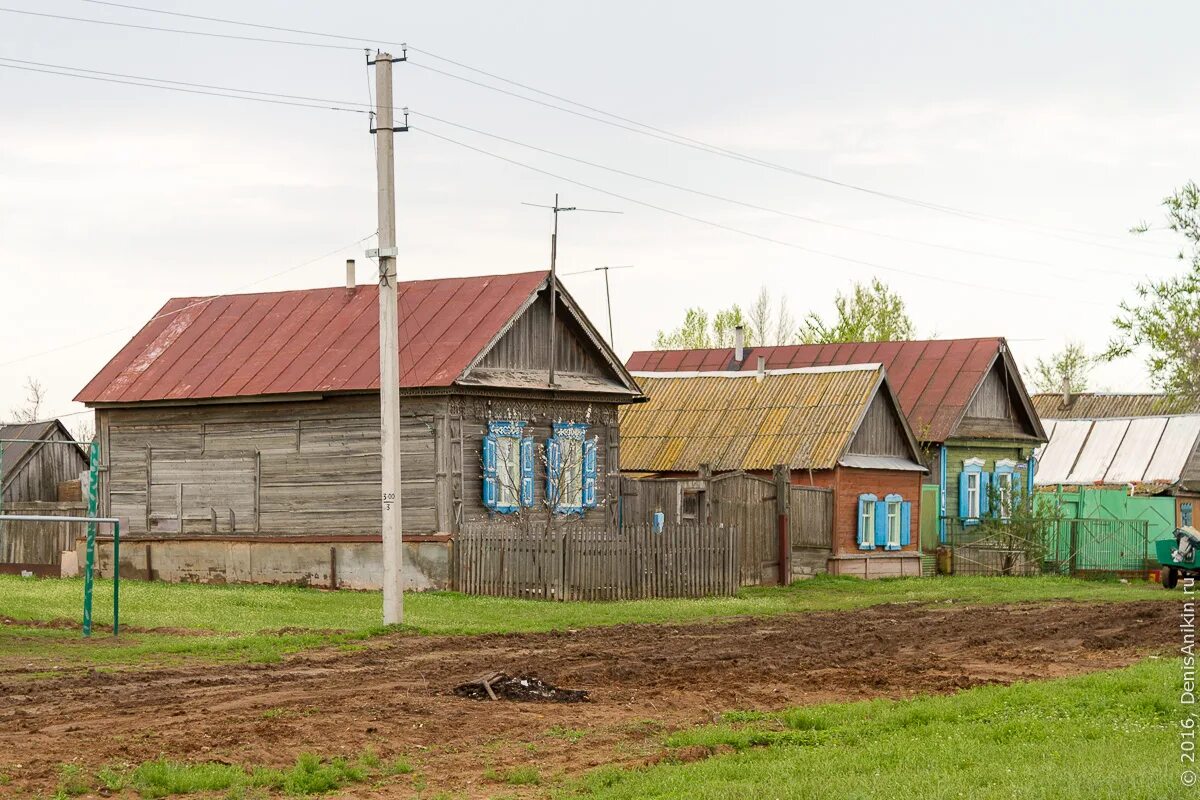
{"type": "Point", "coordinates": [37, 475]}
{"type": "Point", "coordinates": [467, 420]}
{"type": "Point", "coordinates": [313, 467]}
{"type": "Point", "coordinates": [283, 468]}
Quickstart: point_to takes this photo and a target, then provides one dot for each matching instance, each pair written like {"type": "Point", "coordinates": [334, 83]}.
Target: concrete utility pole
{"type": "Point", "coordinates": [389, 347]}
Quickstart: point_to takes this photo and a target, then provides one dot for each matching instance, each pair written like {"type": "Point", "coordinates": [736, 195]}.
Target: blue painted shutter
{"type": "Point", "coordinates": [589, 473]}
{"type": "Point", "coordinates": [985, 502]}
{"type": "Point", "coordinates": [963, 509]}
{"type": "Point", "coordinates": [881, 523]}
{"type": "Point", "coordinates": [527, 472]}
{"type": "Point", "coordinates": [864, 536]}
{"type": "Point", "coordinates": [905, 524]}
{"type": "Point", "coordinates": [490, 493]}
{"type": "Point", "coordinates": [553, 467]}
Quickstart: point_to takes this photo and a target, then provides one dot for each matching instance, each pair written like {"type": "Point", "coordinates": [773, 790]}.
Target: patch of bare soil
{"type": "Point", "coordinates": [397, 696]}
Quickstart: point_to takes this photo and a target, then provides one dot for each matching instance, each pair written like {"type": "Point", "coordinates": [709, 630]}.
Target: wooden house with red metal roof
{"type": "Point", "coordinates": [239, 434]}
{"type": "Point", "coordinates": [964, 400]}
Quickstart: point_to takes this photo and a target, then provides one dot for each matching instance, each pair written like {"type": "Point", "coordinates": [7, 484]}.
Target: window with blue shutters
{"type": "Point", "coordinates": [866, 521]}
{"type": "Point", "coordinates": [571, 469]}
{"type": "Point", "coordinates": [507, 467]}
{"type": "Point", "coordinates": [972, 491]}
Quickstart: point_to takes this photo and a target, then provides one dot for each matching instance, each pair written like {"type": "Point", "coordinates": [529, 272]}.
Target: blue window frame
{"type": "Point", "coordinates": [507, 467]}
{"type": "Point", "coordinates": [867, 522]}
{"type": "Point", "coordinates": [571, 468]}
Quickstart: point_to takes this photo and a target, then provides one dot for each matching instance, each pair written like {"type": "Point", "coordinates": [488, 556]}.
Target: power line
{"type": "Point", "coordinates": [714, 150]}
{"type": "Point", "coordinates": [102, 79]}
{"type": "Point", "coordinates": [340, 105]}
{"type": "Point", "coordinates": [194, 85]}
{"type": "Point", "coordinates": [176, 30]}
{"type": "Point", "coordinates": [200, 302]}
{"type": "Point", "coordinates": [642, 128]}
{"type": "Point", "coordinates": [739, 231]}
{"type": "Point", "coordinates": [746, 204]}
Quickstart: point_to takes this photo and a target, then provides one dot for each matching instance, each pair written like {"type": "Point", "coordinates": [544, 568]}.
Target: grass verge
{"type": "Point", "coordinates": [264, 623]}
{"type": "Point", "coordinates": [1106, 735]}
{"type": "Point", "coordinates": [309, 775]}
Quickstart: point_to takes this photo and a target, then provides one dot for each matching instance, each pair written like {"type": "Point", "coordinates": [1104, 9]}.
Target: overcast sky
{"type": "Point", "coordinates": [1073, 119]}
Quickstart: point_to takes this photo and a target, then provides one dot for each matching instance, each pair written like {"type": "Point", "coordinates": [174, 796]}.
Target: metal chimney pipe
{"type": "Point", "coordinates": [1066, 391]}
{"type": "Point", "coordinates": [762, 368]}
{"type": "Point", "coordinates": [739, 343]}
{"type": "Point", "coordinates": [350, 280]}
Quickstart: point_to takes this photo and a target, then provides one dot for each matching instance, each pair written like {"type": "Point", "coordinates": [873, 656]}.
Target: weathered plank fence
{"type": "Point", "coordinates": [37, 547]}
{"type": "Point", "coordinates": [579, 563]}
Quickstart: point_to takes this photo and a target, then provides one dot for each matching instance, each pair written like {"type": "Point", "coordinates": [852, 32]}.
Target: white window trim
{"type": "Point", "coordinates": [894, 512]}
{"type": "Point", "coordinates": [867, 521]}
{"type": "Point", "coordinates": [1004, 493]}
{"type": "Point", "coordinates": [508, 471]}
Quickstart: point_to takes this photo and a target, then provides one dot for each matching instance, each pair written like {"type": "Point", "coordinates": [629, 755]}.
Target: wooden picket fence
{"type": "Point", "coordinates": [579, 563]}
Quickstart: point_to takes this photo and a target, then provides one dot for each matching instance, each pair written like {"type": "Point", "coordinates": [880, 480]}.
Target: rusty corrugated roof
{"type": "Point", "coordinates": [1103, 405]}
{"type": "Point", "coordinates": [933, 379]}
{"type": "Point", "coordinates": [804, 418]}
{"type": "Point", "coordinates": [313, 340]}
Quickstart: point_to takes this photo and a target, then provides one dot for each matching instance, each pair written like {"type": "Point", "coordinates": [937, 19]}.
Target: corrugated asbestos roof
{"type": "Point", "coordinates": [1102, 405]}
{"type": "Point", "coordinates": [1117, 452]}
{"type": "Point", "coordinates": [314, 340]}
{"type": "Point", "coordinates": [802, 418]}
{"type": "Point", "coordinates": [933, 379]}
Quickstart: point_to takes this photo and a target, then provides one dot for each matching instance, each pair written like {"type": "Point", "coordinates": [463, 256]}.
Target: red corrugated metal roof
{"type": "Point", "coordinates": [934, 380]}
{"type": "Point", "coordinates": [312, 340]}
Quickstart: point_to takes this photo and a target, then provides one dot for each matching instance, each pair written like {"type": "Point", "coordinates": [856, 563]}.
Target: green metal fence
{"type": "Point", "coordinates": [1060, 547]}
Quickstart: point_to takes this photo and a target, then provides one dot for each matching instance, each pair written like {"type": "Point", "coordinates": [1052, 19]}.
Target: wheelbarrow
{"type": "Point", "coordinates": [1179, 556]}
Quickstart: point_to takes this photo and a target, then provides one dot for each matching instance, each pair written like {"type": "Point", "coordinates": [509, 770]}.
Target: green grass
{"type": "Point", "coordinates": [1103, 736]}
{"type": "Point", "coordinates": [309, 775]}
{"type": "Point", "coordinates": [247, 609]}
{"type": "Point", "coordinates": [517, 776]}
{"type": "Point", "coordinates": [264, 623]}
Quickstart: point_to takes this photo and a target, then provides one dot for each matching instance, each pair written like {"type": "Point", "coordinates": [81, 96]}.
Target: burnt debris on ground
{"type": "Point", "coordinates": [520, 688]}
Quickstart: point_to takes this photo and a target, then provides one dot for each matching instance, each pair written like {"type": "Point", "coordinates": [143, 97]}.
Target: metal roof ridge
{"type": "Point", "coordinates": [750, 373]}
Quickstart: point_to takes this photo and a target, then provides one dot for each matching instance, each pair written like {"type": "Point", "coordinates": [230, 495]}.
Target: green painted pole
{"type": "Point", "coordinates": [93, 491]}
{"type": "Point", "coordinates": [116, 577]}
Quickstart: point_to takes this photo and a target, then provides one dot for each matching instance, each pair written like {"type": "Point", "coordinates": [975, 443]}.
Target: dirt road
{"type": "Point", "coordinates": [395, 694]}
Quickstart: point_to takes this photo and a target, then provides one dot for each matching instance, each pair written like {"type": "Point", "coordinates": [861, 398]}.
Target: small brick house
{"type": "Point", "coordinates": [837, 428]}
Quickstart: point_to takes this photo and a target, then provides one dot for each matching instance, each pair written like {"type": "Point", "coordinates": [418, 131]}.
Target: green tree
{"type": "Point", "coordinates": [700, 330]}
{"type": "Point", "coordinates": [870, 313]}
{"type": "Point", "coordinates": [1164, 319]}
{"type": "Point", "coordinates": [1072, 365]}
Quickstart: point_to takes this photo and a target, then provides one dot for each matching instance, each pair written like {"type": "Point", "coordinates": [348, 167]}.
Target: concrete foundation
{"type": "Point", "coordinates": [809, 561]}
{"type": "Point", "coordinates": [325, 564]}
